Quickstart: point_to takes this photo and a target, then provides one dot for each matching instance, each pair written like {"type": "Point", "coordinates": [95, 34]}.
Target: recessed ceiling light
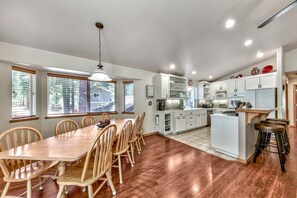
{"type": "Point", "coordinates": [259, 54]}
{"type": "Point", "coordinates": [248, 42]}
{"type": "Point", "coordinates": [194, 72]}
{"type": "Point", "coordinates": [229, 23]}
{"type": "Point", "coordinates": [172, 66]}
{"type": "Point", "coordinates": [210, 77]}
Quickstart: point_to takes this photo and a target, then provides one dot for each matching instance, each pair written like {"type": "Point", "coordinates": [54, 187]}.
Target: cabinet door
{"type": "Point", "coordinates": [203, 119]}
{"type": "Point", "coordinates": [164, 86]}
{"type": "Point", "coordinates": [213, 88]}
{"type": "Point", "coordinates": [177, 122]}
{"type": "Point", "coordinates": [268, 81]}
{"type": "Point", "coordinates": [231, 86]}
{"type": "Point", "coordinates": [183, 123]}
{"type": "Point", "coordinates": [252, 83]}
{"type": "Point", "coordinates": [198, 120]}
{"type": "Point", "coordinates": [223, 85]}
{"type": "Point", "coordinates": [240, 85]}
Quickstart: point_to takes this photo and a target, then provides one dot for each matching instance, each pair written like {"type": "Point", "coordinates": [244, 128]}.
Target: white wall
{"type": "Point", "coordinates": [291, 61]}
{"type": "Point", "coordinates": [247, 71]}
{"type": "Point", "coordinates": [10, 53]}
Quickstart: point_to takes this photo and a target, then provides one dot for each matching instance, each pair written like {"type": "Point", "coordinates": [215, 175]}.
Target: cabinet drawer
{"type": "Point", "coordinates": [189, 113]}
{"type": "Point", "coordinates": [190, 118]}
{"type": "Point", "coordinates": [191, 125]}
{"type": "Point", "coordinates": [180, 114]}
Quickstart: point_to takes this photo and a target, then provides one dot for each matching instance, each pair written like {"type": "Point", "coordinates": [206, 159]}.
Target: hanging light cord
{"type": "Point", "coordinates": [100, 66]}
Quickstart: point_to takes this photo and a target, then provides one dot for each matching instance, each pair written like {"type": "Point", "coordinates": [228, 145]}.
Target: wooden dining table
{"type": "Point", "coordinates": [67, 147]}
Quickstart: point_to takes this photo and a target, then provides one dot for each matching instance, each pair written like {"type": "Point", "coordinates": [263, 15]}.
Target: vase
{"type": "Point", "coordinates": [255, 71]}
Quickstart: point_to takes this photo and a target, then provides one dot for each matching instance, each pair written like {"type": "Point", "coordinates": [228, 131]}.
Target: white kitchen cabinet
{"type": "Point", "coordinates": [213, 88]}
{"type": "Point", "coordinates": [204, 90]}
{"type": "Point", "coordinates": [203, 118]}
{"type": "Point", "coordinates": [170, 86]}
{"type": "Point", "coordinates": [267, 81]}
{"type": "Point", "coordinates": [161, 84]}
{"type": "Point", "coordinates": [236, 85]}
{"type": "Point", "coordinates": [263, 81]}
{"type": "Point", "coordinates": [223, 85]}
{"type": "Point", "coordinates": [198, 120]}
{"type": "Point", "coordinates": [180, 123]}
{"type": "Point", "coordinates": [191, 125]}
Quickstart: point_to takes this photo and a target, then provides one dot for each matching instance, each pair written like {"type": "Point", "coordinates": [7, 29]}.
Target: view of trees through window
{"type": "Point", "coordinates": [67, 95]}
{"type": "Point", "coordinates": [129, 96]}
{"type": "Point", "coordinates": [102, 96]}
{"type": "Point", "coordinates": [70, 96]}
{"type": "Point", "coordinates": [23, 94]}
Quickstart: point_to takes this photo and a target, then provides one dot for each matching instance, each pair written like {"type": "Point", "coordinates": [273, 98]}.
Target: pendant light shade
{"type": "Point", "coordinates": [99, 74]}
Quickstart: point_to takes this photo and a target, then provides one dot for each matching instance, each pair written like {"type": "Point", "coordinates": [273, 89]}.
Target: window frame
{"type": "Point", "coordinates": [124, 96]}
{"type": "Point", "coordinates": [30, 117]}
{"type": "Point", "coordinates": [115, 98]}
{"type": "Point", "coordinates": [62, 115]}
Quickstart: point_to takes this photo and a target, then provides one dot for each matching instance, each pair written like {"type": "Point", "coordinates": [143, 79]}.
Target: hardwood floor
{"type": "Point", "coordinates": [168, 168]}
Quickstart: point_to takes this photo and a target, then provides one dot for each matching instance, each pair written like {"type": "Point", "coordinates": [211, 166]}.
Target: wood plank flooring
{"type": "Point", "coordinates": [167, 168]}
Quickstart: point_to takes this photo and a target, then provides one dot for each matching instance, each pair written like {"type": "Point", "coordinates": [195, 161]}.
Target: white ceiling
{"type": "Point", "coordinates": [150, 35]}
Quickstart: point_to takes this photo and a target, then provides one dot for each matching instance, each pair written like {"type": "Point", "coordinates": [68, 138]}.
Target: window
{"type": "Point", "coordinates": [66, 94]}
{"type": "Point", "coordinates": [103, 96]}
{"type": "Point", "coordinates": [190, 101]}
{"type": "Point", "coordinates": [128, 96]}
{"type": "Point", "coordinates": [23, 92]}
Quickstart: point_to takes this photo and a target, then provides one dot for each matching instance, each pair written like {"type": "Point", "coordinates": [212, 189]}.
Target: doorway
{"type": "Point", "coordinates": [295, 104]}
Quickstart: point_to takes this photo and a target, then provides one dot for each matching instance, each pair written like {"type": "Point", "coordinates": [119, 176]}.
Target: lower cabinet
{"type": "Point", "coordinates": [189, 120]}
{"type": "Point", "coordinates": [180, 123]}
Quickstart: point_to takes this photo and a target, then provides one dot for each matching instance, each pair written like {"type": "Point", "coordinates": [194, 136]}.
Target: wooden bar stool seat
{"type": "Point", "coordinates": [265, 132]}
{"type": "Point", "coordinates": [279, 120]}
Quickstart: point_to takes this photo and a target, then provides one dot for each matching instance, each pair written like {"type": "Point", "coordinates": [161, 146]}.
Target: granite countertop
{"type": "Point", "coordinates": [179, 110]}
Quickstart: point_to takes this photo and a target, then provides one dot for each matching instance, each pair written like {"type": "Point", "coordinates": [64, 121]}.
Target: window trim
{"type": "Point", "coordinates": [124, 110]}
{"type": "Point", "coordinates": [30, 117]}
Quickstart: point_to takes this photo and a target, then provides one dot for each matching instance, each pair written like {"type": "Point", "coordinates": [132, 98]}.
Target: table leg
{"type": "Point", "coordinates": [61, 168]}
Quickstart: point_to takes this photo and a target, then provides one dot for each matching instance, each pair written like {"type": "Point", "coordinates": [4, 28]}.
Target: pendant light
{"type": "Point", "coordinates": [99, 74]}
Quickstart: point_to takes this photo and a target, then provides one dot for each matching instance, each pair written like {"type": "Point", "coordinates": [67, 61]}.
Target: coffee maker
{"type": "Point", "coordinates": [161, 105]}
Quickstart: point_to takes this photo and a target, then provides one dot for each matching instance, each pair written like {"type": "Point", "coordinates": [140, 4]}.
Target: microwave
{"type": "Point", "coordinates": [221, 94]}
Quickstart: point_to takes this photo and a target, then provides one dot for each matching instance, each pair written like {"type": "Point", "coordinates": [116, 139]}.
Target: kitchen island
{"type": "Point", "coordinates": [234, 135]}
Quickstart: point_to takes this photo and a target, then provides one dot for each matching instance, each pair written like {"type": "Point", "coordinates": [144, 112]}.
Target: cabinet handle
{"type": "Point", "coordinates": [177, 118]}
{"type": "Point", "coordinates": [235, 90]}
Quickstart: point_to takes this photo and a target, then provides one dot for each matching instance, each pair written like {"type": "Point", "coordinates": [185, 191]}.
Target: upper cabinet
{"type": "Point", "coordinates": [263, 81]}
{"type": "Point", "coordinates": [204, 90]}
{"type": "Point", "coordinates": [170, 87]}
{"type": "Point", "coordinates": [236, 85]}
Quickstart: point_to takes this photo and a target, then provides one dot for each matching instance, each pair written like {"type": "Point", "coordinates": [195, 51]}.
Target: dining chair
{"type": "Point", "coordinates": [22, 170]}
{"type": "Point", "coordinates": [140, 130]}
{"type": "Point", "coordinates": [105, 116]}
{"type": "Point", "coordinates": [133, 139]}
{"type": "Point", "coordinates": [65, 126]}
{"type": "Point", "coordinates": [122, 146]}
{"type": "Point", "coordinates": [97, 164]}
{"type": "Point", "coordinates": [87, 121]}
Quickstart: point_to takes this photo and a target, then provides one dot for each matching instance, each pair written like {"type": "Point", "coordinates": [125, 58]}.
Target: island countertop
{"type": "Point", "coordinates": [257, 111]}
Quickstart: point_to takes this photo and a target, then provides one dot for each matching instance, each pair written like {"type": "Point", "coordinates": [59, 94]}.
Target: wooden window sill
{"type": "Point", "coordinates": [78, 115]}
{"type": "Point", "coordinates": [23, 119]}
{"type": "Point", "coordinates": [124, 112]}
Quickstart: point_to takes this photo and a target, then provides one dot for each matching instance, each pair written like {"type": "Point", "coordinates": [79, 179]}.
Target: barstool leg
{"type": "Point", "coordinates": [257, 146]}
{"type": "Point", "coordinates": [280, 151]}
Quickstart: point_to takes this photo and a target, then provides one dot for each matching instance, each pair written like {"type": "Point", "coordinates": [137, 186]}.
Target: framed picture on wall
{"type": "Point", "coordinates": [149, 91]}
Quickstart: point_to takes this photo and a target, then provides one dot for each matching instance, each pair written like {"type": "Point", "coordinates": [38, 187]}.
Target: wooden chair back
{"type": "Point", "coordinates": [123, 138]}
{"type": "Point", "coordinates": [140, 129]}
{"type": "Point", "coordinates": [101, 153]}
{"type": "Point", "coordinates": [87, 121]}
{"type": "Point", "coordinates": [65, 126]}
{"type": "Point", "coordinates": [105, 116]}
{"type": "Point", "coordinates": [135, 128]}
{"type": "Point", "coordinates": [13, 138]}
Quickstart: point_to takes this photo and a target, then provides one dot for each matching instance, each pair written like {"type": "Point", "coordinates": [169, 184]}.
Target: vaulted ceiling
{"type": "Point", "coordinates": [151, 35]}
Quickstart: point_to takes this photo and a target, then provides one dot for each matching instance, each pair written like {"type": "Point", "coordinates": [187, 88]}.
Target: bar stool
{"type": "Point", "coordinates": [265, 130]}
{"type": "Point", "coordinates": [286, 138]}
